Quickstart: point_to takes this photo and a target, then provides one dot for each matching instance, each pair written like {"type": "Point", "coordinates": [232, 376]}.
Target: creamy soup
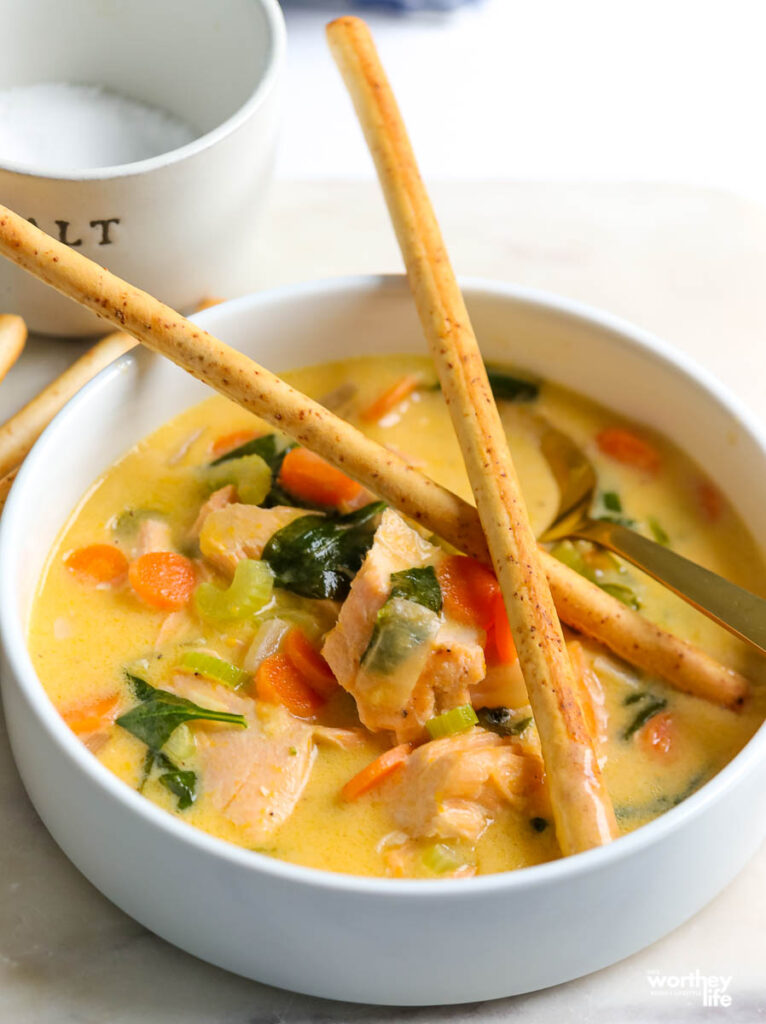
{"type": "Point", "coordinates": [245, 636]}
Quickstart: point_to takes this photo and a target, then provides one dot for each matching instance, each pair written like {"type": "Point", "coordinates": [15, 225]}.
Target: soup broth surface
{"type": "Point", "coordinates": [85, 636]}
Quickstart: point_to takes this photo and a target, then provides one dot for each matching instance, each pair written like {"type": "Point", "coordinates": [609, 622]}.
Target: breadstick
{"type": "Point", "coordinates": [13, 335]}
{"type": "Point", "coordinates": [582, 808]}
{"type": "Point", "coordinates": [19, 433]}
{"type": "Point", "coordinates": [384, 472]}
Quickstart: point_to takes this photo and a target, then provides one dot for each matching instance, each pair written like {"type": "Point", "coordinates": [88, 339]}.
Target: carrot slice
{"type": "Point", "coordinates": [469, 590]}
{"type": "Point", "coordinates": [659, 736]}
{"type": "Point", "coordinates": [309, 663]}
{"type": "Point", "coordinates": [93, 717]}
{"type": "Point", "coordinates": [376, 771]}
{"type": "Point", "coordinates": [228, 442]}
{"type": "Point", "coordinates": [97, 563]}
{"type": "Point", "coordinates": [307, 476]}
{"type": "Point", "coordinates": [710, 501]}
{"type": "Point", "coordinates": [390, 398]}
{"type": "Point", "coordinates": [630, 449]}
{"type": "Point", "coordinates": [163, 579]}
{"type": "Point", "coordinates": [500, 648]}
{"type": "Point", "coordinates": [278, 681]}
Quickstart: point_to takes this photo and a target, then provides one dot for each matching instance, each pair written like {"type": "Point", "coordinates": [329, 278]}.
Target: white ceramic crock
{"type": "Point", "coordinates": [377, 940]}
{"type": "Point", "coordinates": [182, 225]}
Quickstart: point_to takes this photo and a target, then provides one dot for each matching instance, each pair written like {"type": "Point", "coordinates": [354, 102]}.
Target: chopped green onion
{"type": "Point", "coordinates": [658, 532]}
{"type": "Point", "coordinates": [439, 858]}
{"type": "Point", "coordinates": [622, 593]}
{"type": "Point", "coordinates": [213, 668]}
{"type": "Point", "coordinates": [250, 474]}
{"type": "Point", "coordinates": [451, 722]}
{"type": "Point", "coordinates": [249, 591]}
{"type": "Point", "coordinates": [611, 500]}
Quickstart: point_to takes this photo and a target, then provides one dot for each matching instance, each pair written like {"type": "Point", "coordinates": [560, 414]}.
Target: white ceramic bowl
{"type": "Point", "coordinates": [377, 940]}
{"type": "Point", "coordinates": [183, 224]}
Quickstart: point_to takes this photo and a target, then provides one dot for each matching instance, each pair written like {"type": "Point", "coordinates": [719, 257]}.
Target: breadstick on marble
{"type": "Point", "coordinates": [6, 483]}
{"type": "Point", "coordinates": [19, 433]}
{"type": "Point", "coordinates": [583, 605]}
{"type": "Point", "coordinates": [13, 336]}
{"type": "Point", "coordinates": [582, 808]}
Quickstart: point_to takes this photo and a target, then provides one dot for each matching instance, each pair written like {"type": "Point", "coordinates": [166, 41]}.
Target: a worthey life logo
{"type": "Point", "coordinates": [710, 989]}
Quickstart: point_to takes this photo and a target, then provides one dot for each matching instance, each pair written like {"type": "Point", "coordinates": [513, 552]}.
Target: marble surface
{"type": "Point", "coordinates": [687, 263]}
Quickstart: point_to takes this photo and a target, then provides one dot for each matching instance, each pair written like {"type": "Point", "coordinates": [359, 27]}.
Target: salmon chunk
{"type": "Point", "coordinates": [254, 776]}
{"type": "Point", "coordinates": [448, 662]}
{"type": "Point", "coordinates": [453, 788]}
{"type": "Point", "coordinates": [218, 499]}
{"type": "Point", "coordinates": [154, 534]}
{"type": "Point", "coordinates": [236, 531]}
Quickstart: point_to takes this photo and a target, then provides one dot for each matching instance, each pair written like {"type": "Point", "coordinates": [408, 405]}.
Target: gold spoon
{"type": "Point", "coordinates": [732, 607]}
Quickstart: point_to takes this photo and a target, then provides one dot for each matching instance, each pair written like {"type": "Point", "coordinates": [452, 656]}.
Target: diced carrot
{"type": "Point", "coordinates": [307, 476]}
{"type": "Point", "coordinates": [390, 398]}
{"type": "Point", "coordinates": [228, 442]}
{"type": "Point", "coordinates": [97, 563]}
{"type": "Point", "coordinates": [376, 771]}
{"type": "Point", "coordinates": [469, 590]}
{"type": "Point", "coordinates": [278, 681]}
{"type": "Point", "coordinates": [659, 735]}
{"type": "Point", "coordinates": [309, 662]}
{"type": "Point", "coordinates": [628, 448]}
{"type": "Point", "coordinates": [163, 579]}
{"type": "Point", "coordinates": [710, 500]}
{"type": "Point", "coordinates": [500, 648]}
{"type": "Point", "coordinates": [93, 717]}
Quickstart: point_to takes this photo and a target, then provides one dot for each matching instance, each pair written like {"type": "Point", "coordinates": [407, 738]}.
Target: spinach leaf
{"type": "Point", "coordinates": [271, 447]}
{"type": "Point", "coordinates": [181, 783]}
{"type": "Point", "coordinates": [503, 721]}
{"type": "Point", "coordinates": [506, 387]}
{"type": "Point", "coordinates": [649, 710]}
{"type": "Point", "coordinates": [161, 712]}
{"type": "Point", "coordinates": [419, 585]}
{"type": "Point", "coordinates": [401, 628]}
{"type": "Point", "coordinates": [318, 556]}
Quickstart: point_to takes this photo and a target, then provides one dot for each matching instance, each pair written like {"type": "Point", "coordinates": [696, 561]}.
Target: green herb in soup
{"type": "Point", "coordinates": [314, 678]}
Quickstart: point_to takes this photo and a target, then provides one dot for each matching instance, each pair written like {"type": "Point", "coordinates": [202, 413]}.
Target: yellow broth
{"type": "Point", "coordinates": [82, 638]}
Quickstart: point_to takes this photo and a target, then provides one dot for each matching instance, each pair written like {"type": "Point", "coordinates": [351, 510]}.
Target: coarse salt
{"type": "Point", "coordinates": [54, 127]}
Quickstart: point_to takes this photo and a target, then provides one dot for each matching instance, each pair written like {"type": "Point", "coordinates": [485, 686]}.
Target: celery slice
{"type": "Point", "coordinates": [213, 668]}
{"type": "Point", "coordinates": [439, 858]}
{"type": "Point", "coordinates": [250, 474]}
{"type": "Point", "coordinates": [451, 722]}
{"type": "Point", "coordinates": [249, 591]}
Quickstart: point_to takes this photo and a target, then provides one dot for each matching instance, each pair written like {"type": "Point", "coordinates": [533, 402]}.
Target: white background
{"type": "Point", "coordinates": [662, 90]}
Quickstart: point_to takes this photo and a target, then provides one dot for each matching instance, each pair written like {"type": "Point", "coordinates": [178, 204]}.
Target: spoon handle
{"type": "Point", "coordinates": [732, 607]}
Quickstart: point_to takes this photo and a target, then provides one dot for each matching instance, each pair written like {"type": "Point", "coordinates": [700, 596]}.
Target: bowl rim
{"type": "Point", "coordinates": [277, 44]}
{"type": "Point", "coordinates": [12, 633]}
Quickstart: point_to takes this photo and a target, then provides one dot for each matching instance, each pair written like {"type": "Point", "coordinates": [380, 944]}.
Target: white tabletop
{"type": "Point", "coordinates": [688, 264]}
{"type": "Point", "coordinates": [664, 90]}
